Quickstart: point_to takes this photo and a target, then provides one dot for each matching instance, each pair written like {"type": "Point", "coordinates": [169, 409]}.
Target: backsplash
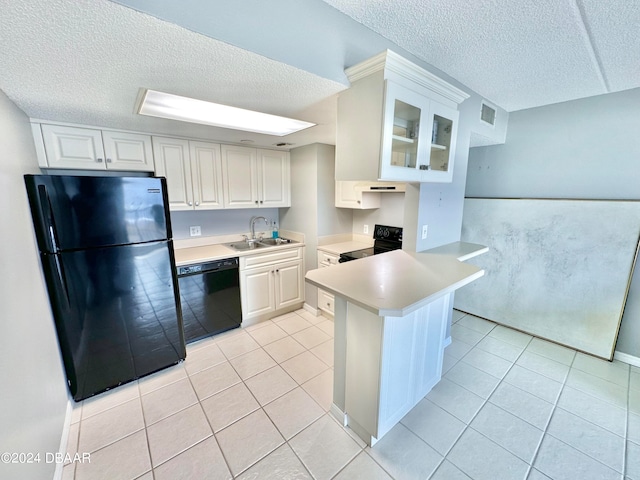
{"type": "Point", "coordinates": [219, 222]}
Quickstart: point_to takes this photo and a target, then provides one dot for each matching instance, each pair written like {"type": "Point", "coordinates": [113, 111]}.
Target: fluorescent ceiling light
{"type": "Point", "coordinates": [185, 109]}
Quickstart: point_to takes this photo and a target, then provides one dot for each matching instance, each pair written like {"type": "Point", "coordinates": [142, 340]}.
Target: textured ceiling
{"type": "Point", "coordinates": [517, 53]}
{"type": "Point", "coordinates": [84, 61]}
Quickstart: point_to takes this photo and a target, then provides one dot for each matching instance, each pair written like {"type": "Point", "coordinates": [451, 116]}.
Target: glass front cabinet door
{"type": "Point", "coordinates": [418, 137]}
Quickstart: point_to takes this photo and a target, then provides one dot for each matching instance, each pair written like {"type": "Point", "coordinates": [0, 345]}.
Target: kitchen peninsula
{"type": "Point", "coordinates": [391, 313]}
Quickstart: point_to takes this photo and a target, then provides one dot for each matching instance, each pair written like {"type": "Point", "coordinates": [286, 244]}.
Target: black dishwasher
{"type": "Point", "coordinates": [210, 298]}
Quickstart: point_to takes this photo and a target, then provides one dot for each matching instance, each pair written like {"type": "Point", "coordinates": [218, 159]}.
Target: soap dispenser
{"type": "Point", "coordinates": [274, 232]}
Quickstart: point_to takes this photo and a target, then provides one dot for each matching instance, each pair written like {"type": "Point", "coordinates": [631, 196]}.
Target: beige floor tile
{"type": "Point", "coordinates": [215, 379]}
{"type": "Point", "coordinates": [204, 358]}
{"type": "Point", "coordinates": [123, 460]}
{"type": "Point", "coordinates": [251, 363]}
{"type": "Point", "coordinates": [270, 384]}
{"type": "Point", "coordinates": [482, 459]}
{"type": "Point", "coordinates": [458, 401]}
{"type": "Point", "coordinates": [534, 383]}
{"type": "Point", "coordinates": [615, 372]}
{"type": "Point", "coordinates": [160, 379]}
{"type": "Point", "coordinates": [544, 366]}
{"type": "Point", "coordinates": [72, 440]}
{"type": "Point", "coordinates": [111, 425]}
{"type": "Point", "coordinates": [257, 326]}
{"type": "Point", "coordinates": [168, 400]}
{"type": "Point", "coordinates": [248, 440]}
{"type": "Point", "coordinates": [327, 326]}
{"type": "Point", "coordinates": [522, 404]}
{"type": "Point", "coordinates": [324, 447]}
{"type": "Point", "coordinates": [448, 471]}
{"type": "Point", "coordinates": [293, 412]}
{"type": "Point", "coordinates": [268, 334]}
{"type": "Point", "coordinates": [303, 367]}
{"type": "Point", "coordinates": [434, 425]}
{"type": "Point", "coordinates": [177, 433]}
{"type": "Point", "coordinates": [284, 349]}
{"type": "Point", "coordinates": [476, 323]}
{"type": "Point", "coordinates": [320, 388]}
{"type": "Point", "coordinates": [237, 345]}
{"type": "Point", "coordinates": [595, 410]}
{"type": "Point", "coordinates": [228, 406]}
{"type": "Point", "coordinates": [401, 453]}
{"type": "Point", "coordinates": [466, 335]}
{"type": "Point", "coordinates": [474, 380]}
{"type": "Point", "coordinates": [280, 464]}
{"type": "Point", "coordinates": [363, 468]}
{"type": "Point", "coordinates": [202, 461]}
{"type": "Point", "coordinates": [309, 317]}
{"type": "Point", "coordinates": [511, 336]}
{"type": "Point", "coordinates": [552, 350]}
{"type": "Point", "coordinates": [487, 362]}
{"type": "Point", "coordinates": [110, 399]}
{"type": "Point", "coordinates": [293, 324]}
{"type": "Point", "coordinates": [311, 337]}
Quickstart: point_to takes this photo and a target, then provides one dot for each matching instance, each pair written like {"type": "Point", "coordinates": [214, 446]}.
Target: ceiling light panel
{"type": "Point", "coordinates": [185, 109]}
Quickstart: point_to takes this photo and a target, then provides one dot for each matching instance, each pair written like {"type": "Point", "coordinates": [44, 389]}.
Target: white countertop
{"type": "Point", "coordinates": [342, 247]}
{"type": "Point", "coordinates": [460, 250]}
{"type": "Point", "coordinates": [207, 253]}
{"type": "Point", "coordinates": [395, 283]}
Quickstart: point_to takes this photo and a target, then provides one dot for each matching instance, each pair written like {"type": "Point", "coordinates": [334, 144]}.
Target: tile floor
{"type": "Point", "coordinates": [253, 403]}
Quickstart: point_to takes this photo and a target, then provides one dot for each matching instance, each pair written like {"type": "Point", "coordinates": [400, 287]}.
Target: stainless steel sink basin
{"type": "Point", "coordinates": [243, 245]}
{"type": "Point", "coordinates": [275, 241]}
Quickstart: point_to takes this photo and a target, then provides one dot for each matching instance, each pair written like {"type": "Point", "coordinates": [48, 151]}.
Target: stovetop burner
{"type": "Point", "coordinates": [385, 239]}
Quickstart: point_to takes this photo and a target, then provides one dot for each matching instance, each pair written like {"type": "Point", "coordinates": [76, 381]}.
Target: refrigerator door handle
{"type": "Point", "coordinates": [48, 222]}
{"type": "Point", "coordinates": [63, 282]}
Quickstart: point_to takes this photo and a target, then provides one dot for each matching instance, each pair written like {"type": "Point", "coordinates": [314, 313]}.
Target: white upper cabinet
{"type": "Point", "coordinates": [396, 122]}
{"type": "Point", "coordinates": [91, 149]}
{"type": "Point", "coordinates": [255, 178]}
{"type": "Point", "coordinates": [193, 171]}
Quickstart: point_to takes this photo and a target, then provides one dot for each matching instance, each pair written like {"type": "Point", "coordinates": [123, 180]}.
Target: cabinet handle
{"type": "Point", "coordinates": [108, 160]}
{"type": "Point", "coordinates": [197, 204]}
{"type": "Point", "coordinates": [261, 201]}
{"type": "Point", "coordinates": [358, 201]}
{"type": "Point", "coordinates": [256, 202]}
{"type": "Point", "coordinates": [424, 167]}
{"type": "Point", "coordinates": [328, 304]}
{"type": "Point", "coordinates": [191, 204]}
{"type": "Point", "coordinates": [99, 160]}
{"type": "Point", "coordinates": [277, 271]}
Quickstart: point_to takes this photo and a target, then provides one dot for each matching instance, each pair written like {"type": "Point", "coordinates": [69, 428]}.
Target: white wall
{"type": "Point", "coordinates": [34, 394]}
{"type": "Point", "coordinates": [585, 149]}
{"type": "Point", "coordinates": [391, 212]}
{"type": "Point", "coordinates": [312, 210]}
{"type": "Point", "coordinates": [220, 222]}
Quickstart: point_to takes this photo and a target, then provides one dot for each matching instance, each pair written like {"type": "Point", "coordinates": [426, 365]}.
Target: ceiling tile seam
{"type": "Point", "coordinates": [590, 44]}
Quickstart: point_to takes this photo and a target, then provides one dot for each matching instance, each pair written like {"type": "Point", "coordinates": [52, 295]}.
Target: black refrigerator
{"type": "Point", "coordinates": [107, 255]}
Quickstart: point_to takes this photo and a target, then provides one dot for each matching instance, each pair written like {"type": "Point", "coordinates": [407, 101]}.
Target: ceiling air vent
{"type": "Point", "coordinates": [488, 114]}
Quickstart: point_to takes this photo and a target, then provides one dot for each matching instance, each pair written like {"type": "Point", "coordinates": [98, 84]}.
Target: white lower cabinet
{"type": "Point", "coordinates": [271, 281]}
{"type": "Point", "coordinates": [326, 299]}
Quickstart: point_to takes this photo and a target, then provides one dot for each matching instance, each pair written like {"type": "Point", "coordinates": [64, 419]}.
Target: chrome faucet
{"type": "Point", "coordinates": [253, 225]}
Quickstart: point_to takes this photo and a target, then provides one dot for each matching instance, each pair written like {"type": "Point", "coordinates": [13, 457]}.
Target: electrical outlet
{"type": "Point", "coordinates": [195, 231]}
{"type": "Point", "coordinates": [365, 229]}
{"type": "Point", "coordinates": [424, 231]}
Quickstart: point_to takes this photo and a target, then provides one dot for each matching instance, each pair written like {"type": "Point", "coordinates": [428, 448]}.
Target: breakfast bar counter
{"type": "Point", "coordinates": [391, 312]}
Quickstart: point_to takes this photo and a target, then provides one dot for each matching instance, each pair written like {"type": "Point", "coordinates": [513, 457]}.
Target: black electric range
{"type": "Point", "coordinates": [385, 239]}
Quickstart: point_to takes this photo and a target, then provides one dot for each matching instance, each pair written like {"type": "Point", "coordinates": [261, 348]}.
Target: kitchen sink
{"type": "Point", "coordinates": [275, 241]}
{"type": "Point", "coordinates": [243, 245]}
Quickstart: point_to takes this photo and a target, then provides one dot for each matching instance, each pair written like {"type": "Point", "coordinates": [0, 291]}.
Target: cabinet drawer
{"type": "Point", "coordinates": [327, 259]}
{"type": "Point", "coordinates": [325, 301]}
{"type": "Point", "coordinates": [253, 261]}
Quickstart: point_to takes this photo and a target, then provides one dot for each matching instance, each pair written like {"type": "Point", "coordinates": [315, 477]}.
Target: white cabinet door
{"type": "Point", "coordinates": [127, 151]}
{"type": "Point", "coordinates": [240, 176]}
{"type": "Point", "coordinates": [172, 162]}
{"type": "Point", "coordinates": [405, 138]}
{"type": "Point", "coordinates": [274, 186]}
{"type": "Point", "coordinates": [289, 284]}
{"type": "Point", "coordinates": [206, 174]}
{"type": "Point", "coordinates": [348, 196]}
{"type": "Point", "coordinates": [71, 147]}
{"type": "Point", "coordinates": [257, 287]}
{"type": "Point", "coordinates": [443, 143]}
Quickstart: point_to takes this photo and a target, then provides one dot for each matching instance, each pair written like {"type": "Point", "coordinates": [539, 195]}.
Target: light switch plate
{"type": "Point", "coordinates": [425, 228]}
{"type": "Point", "coordinates": [195, 231]}
{"type": "Point", "coordinates": [365, 229]}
